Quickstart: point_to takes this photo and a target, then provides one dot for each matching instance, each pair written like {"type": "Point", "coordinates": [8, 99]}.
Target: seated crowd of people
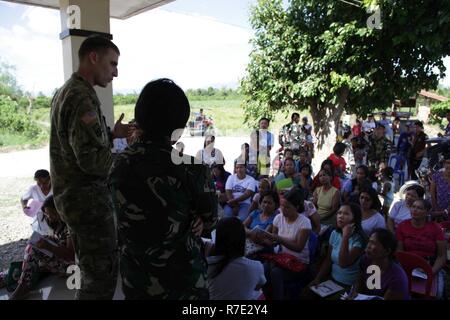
{"type": "Point", "coordinates": [336, 225]}
{"type": "Point", "coordinates": [281, 235]}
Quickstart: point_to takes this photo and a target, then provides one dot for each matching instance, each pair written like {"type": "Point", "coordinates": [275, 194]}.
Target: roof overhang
{"type": "Point", "coordinates": [118, 9]}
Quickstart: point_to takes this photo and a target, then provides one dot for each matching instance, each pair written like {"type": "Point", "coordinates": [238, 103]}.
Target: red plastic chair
{"type": "Point", "coordinates": [421, 287]}
{"type": "Point", "coordinates": [445, 225]}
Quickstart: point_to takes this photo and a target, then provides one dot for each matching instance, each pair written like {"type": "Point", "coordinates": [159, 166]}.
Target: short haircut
{"type": "Point", "coordinates": [96, 43]}
{"type": "Point", "coordinates": [388, 172]}
{"type": "Point", "coordinates": [417, 188]}
{"type": "Point", "coordinates": [49, 202]}
{"type": "Point", "coordinates": [274, 195]}
{"type": "Point", "coordinates": [161, 99]}
{"type": "Point", "coordinates": [264, 118]}
{"type": "Point", "coordinates": [339, 148]}
{"type": "Point", "coordinates": [307, 166]}
{"type": "Point", "coordinates": [41, 174]}
{"type": "Point", "coordinates": [295, 114]}
{"type": "Point", "coordinates": [426, 204]}
{"type": "Point", "coordinates": [418, 123]}
{"type": "Point", "coordinates": [289, 159]}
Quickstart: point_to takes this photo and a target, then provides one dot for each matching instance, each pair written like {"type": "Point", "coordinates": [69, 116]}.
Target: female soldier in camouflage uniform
{"type": "Point", "coordinates": [157, 201]}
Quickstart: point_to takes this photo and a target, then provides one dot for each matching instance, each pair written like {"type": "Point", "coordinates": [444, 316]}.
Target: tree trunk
{"type": "Point", "coordinates": [30, 104]}
{"type": "Point", "coordinates": [326, 119]}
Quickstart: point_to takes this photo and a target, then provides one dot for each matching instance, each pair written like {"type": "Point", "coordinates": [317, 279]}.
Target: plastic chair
{"type": "Point", "coordinates": [410, 261]}
{"type": "Point", "coordinates": [398, 167]}
{"type": "Point", "coordinates": [445, 225]}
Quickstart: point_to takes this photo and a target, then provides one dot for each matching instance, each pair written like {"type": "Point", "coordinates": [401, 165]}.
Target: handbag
{"type": "Point", "coordinates": [13, 276]}
{"type": "Point", "coordinates": [286, 261]}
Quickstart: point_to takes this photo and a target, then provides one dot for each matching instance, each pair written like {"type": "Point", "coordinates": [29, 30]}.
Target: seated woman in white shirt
{"type": "Point", "coordinates": [231, 276]}
{"type": "Point", "coordinates": [38, 192]}
{"type": "Point", "coordinates": [210, 155]}
{"type": "Point", "coordinates": [401, 209]}
{"type": "Point", "coordinates": [291, 230]}
{"type": "Point", "coordinates": [239, 189]}
{"type": "Point", "coordinates": [370, 207]}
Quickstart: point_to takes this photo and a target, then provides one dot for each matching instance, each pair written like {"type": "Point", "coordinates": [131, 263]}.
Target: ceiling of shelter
{"type": "Point", "coordinates": [119, 9]}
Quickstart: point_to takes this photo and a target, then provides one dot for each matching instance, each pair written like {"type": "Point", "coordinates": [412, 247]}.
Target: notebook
{"type": "Point", "coordinates": [326, 288]}
{"type": "Point", "coordinates": [418, 273]}
{"type": "Point", "coordinates": [360, 296]}
{"type": "Point", "coordinates": [34, 239]}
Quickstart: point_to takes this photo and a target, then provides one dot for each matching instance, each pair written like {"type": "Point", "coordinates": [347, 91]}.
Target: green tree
{"type": "Point", "coordinates": [8, 83]}
{"type": "Point", "coordinates": [444, 91]}
{"type": "Point", "coordinates": [321, 55]}
{"type": "Point", "coordinates": [439, 111]}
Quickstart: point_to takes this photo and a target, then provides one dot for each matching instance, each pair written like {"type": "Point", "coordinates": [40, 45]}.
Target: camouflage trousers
{"type": "Point", "coordinates": [93, 230]}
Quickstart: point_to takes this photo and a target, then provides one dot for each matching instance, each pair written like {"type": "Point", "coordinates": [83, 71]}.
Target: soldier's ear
{"type": "Point", "coordinates": [93, 57]}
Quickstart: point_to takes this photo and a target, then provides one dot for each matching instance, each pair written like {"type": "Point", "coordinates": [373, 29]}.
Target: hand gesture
{"type": "Point", "coordinates": [348, 230]}
{"type": "Point", "coordinates": [314, 283]}
{"type": "Point", "coordinates": [122, 130]}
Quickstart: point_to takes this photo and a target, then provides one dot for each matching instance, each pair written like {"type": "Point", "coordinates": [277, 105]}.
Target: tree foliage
{"type": "Point", "coordinates": [8, 83]}
{"type": "Point", "coordinates": [438, 111]}
{"type": "Point", "coordinates": [321, 55]}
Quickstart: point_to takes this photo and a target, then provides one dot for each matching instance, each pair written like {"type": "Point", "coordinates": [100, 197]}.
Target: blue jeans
{"type": "Point", "coordinates": [242, 214]}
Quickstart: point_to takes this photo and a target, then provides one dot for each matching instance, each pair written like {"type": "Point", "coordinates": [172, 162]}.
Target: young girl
{"type": "Point", "coordinates": [305, 179]}
{"type": "Point", "coordinates": [220, 177]}
{"type": "Point", "coordinates": [387, 189]}
{"type": "Point", "coordinates": [264, 188]}
{"type": "Point", "coordinates": [36, 261]}
{"type": "Point", "coordinates": [346, 247]}
{"type": "Point", "coordinates": [231, 276]}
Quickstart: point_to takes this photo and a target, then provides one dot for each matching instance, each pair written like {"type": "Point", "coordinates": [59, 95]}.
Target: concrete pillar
{"type": "Point", "coordinates": [93, 17]}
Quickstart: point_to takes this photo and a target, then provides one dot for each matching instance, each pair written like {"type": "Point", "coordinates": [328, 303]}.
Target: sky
{"type": "Point", "coordinates": [197, 43]}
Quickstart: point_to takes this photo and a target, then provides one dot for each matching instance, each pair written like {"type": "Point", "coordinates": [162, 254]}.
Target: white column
{"type": "Point", "coordinates": [93, 17]}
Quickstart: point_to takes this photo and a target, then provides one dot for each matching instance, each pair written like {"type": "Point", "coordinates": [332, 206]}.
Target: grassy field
{"type": "Point", "coordinates": [228, 116]}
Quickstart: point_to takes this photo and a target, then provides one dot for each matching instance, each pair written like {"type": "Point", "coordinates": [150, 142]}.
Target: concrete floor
{"type": "Point", "coordinates": [55, 288]}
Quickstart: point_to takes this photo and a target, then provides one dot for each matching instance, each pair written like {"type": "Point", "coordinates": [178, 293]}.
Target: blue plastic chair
{"type": "Point", "coordinates": [398, 166]}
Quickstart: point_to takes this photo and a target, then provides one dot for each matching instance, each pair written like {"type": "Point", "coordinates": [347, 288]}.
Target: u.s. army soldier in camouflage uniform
{"type": "Point", "coordinates": [80, 159]}
{"type": "Point", "coordinates": [158, 200]}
